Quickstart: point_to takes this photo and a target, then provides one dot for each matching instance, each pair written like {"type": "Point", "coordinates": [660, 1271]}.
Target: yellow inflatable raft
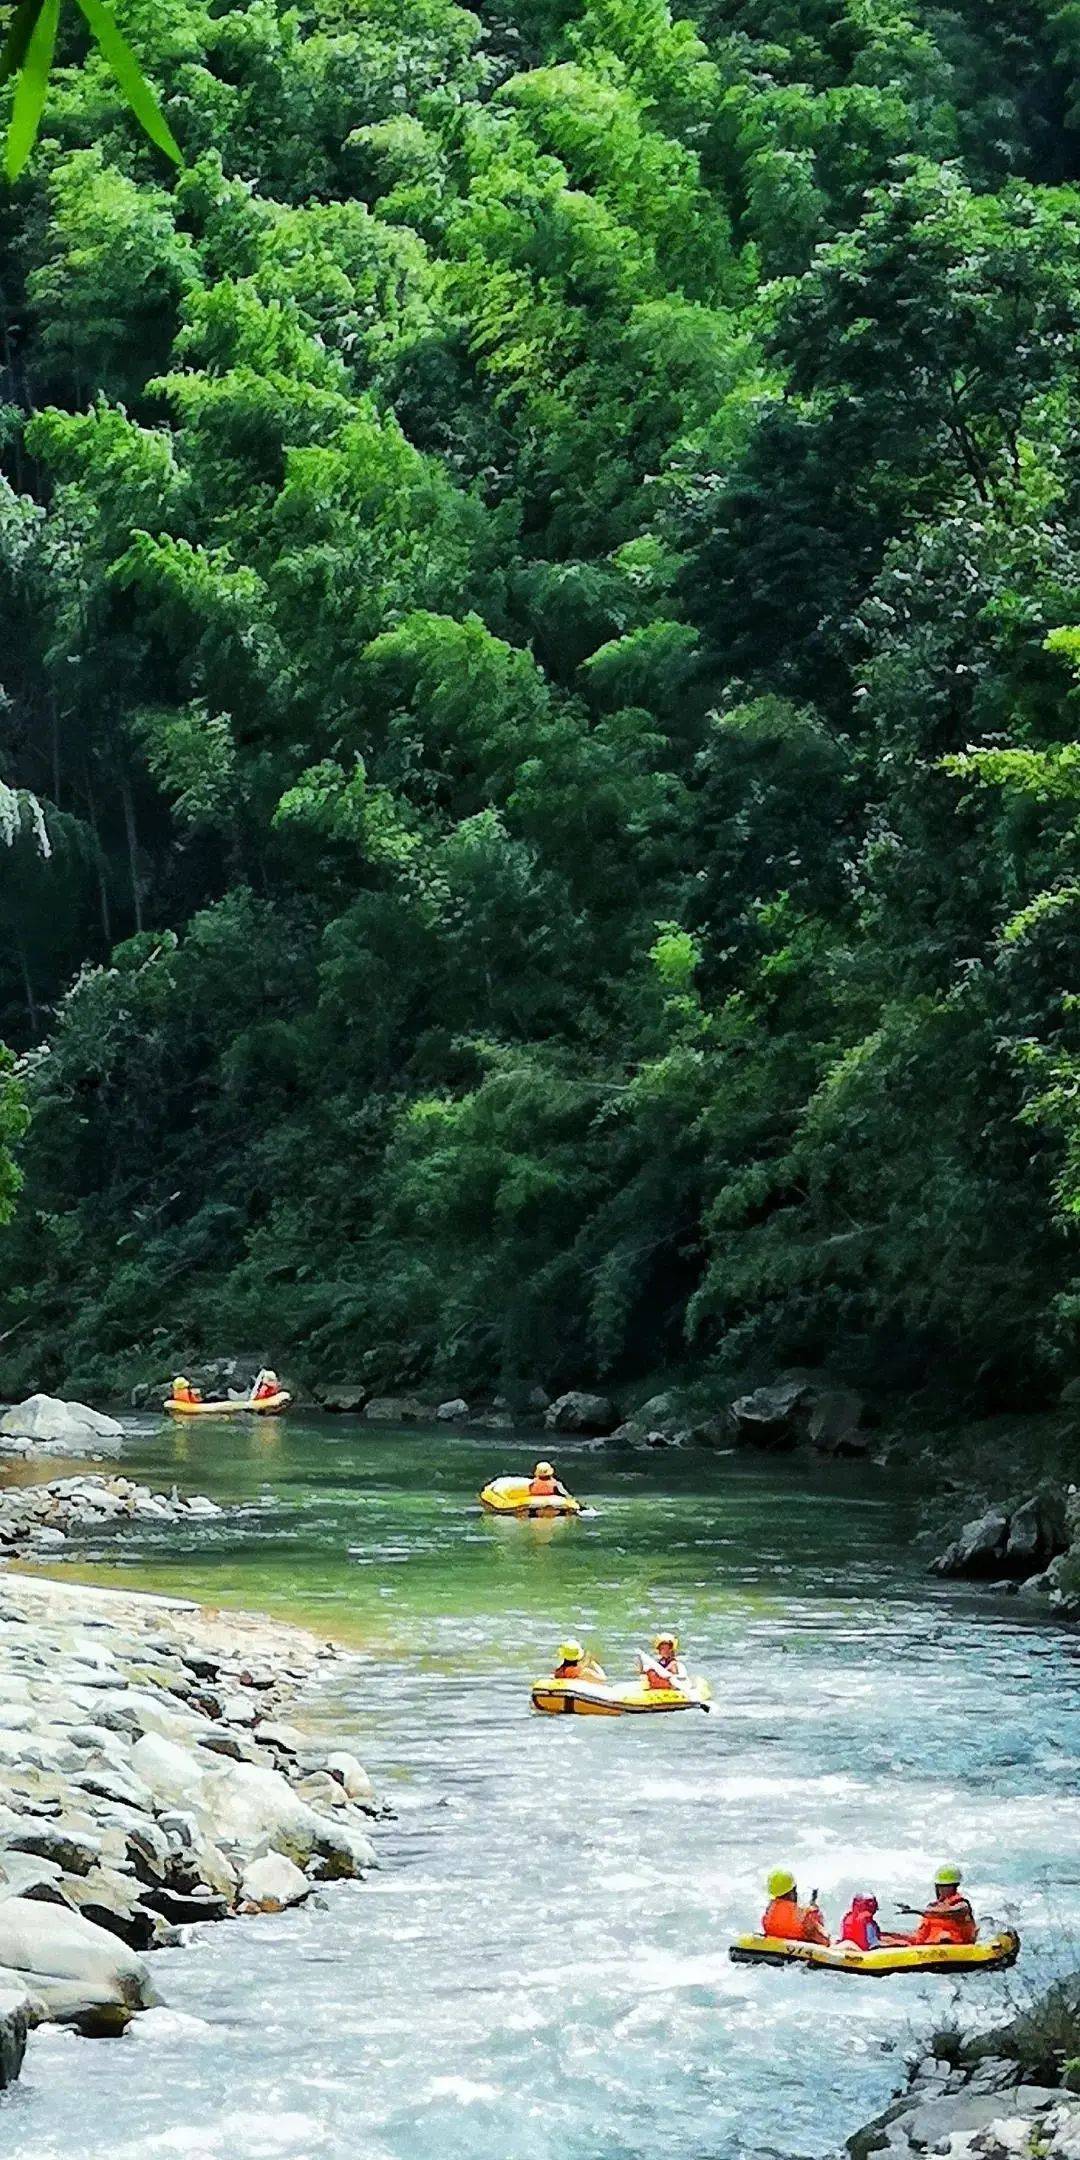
{"type": "Point", "coordinates": [603, 1698]}
{"type": "Point", "coordinates": [267, 1408]}
{"type": "Point", "coordinates": [992, 1955]}
{"type": "Point", "coordinates": [511, 1496]}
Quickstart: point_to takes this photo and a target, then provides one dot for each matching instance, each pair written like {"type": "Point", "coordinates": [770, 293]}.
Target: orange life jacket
{"type": "Point", "coordinates": [265, 1390]}
{"type": "Point", "coordinates": [571, 1671]}
{"type": "Point", "coordinates": [951, 1920]}
{"type": "Point", "coordinates": [543, 1488]}
{"type": "Point", "coordinates": [793, 1923]}
{"type": "Point", "coordinates": [183, 1391]}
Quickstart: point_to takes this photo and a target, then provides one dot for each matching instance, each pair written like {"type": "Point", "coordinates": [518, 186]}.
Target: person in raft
{"type": "Point", "coordinates": [859, 1926]}
{"type": "Point", "coordinates": [182, 1390]}
{"type": "Point", "coordinates": [575, 1663]}
{"type": "Point", "coordinates": [949, 1919]}
{"type": "Point", "coordinates": [544, 1485]}
{"type": "Point", "coordinates": [785, 1918]}
{"type": "Point", "coordinates": [264, 1385]}
{"type": "Point", "coordinates": [664, 1668]}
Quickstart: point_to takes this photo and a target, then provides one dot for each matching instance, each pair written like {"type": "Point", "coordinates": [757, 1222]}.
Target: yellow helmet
{"type": "Point", "coordinates": [569, 1652]}
{"type": "Point", "coordinates": [180, 1381]}
{"type": "Point", "coordinates": [544, 1469]}
{"type": "Point", "coordinates": [781, 1882]}
{"type": "Point", "coordinates": [660, 1640]}
{"type": "Point", "coordinates": [947, 1874]}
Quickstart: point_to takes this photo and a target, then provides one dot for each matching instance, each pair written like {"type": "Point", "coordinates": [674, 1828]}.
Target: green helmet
{"type": "Point", "coordinates": [781, 1882]}
{"type": "Point", "coordinates": [947, 1874]}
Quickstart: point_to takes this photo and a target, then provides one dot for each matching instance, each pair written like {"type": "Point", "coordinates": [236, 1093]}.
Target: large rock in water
{"type": "Point", "coordinates": [398, 1410]}
{"type": "Point", "coordinates": [48, 1421]}
{"type": "Point", "coordinates": [1038, 1532]}
{"type": "Point", "coordinates": [15, 2010]}
{"type": "Point", "coordinates": [273, 1883]}
{"type": "Point", "coordinates": [978, 1549]}
{"type": "Point", "coordinates": [255, 1808]}
{"type": "Point", "coordinates": [766, 1418]}
{"type": "Point", "coordinates": [578, 1411]}
{"type": "Point", "coordinates": [345, 1397]}
{"type": "Point", "coordinates": [83, 1975]}
{"type": "Point", "coordinates": [835, 1426]}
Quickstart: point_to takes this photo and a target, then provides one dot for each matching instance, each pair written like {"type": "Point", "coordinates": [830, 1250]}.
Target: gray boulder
{"type": "Point", "coordinates": [345, 1397]}
{"type": "Point", "coordinates": [766, 1418]}
{"type": "Point", "coordinates": [351, 1774]}
{"type": "Point", "coordinates": [273, 1883]}
{"type": "Point", "coordinates": [256, 1808]}
{"type": "Point", "coordinates": [979, 1548]}
{"type": "Point", "coordinates": [84, 1975]}
{"type": "Point", "coordinates": [453, 1412]}
{"type": "Point", "coordinates": [24, 1875]}
{"type": "Point", "coordinates": [1038, 1532]}
{"type": "Point", "coordinates": [16, 2012]}
{"type": "Point", "coordinates": [112, 1902]}
{"type": "Point", "coordinates": [579, 1412]}
{"type": "Point", "coordinates": [712, 1432]}
{"type": "Point", "coordinates": [75, 1851]}
{"type": "Point", "coordinates": [397, 1410]}
{"type": "Point", "coordinates": [835, 1423]}
{"type": "Point", "coordinates": [50, 1422]}
{"type": "Point", "coordinates": [659, 1414]}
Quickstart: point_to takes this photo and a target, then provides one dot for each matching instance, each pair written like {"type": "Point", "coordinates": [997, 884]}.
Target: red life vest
{"type": "Point", "coordinates": [858, 1925]}
{"type": "Point", "coordinates": [543, 1488]}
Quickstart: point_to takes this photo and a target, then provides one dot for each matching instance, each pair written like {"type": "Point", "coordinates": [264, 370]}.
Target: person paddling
{"type": "Point", "coordinates": [265, 1385]}
{"type": "Point", "coordinates": [785, 1918]}
{"type": "Point", "coordinates": [544, 1485]}
{"type": "Point", "coordinates": [949, 1919]}
{"type": "Point", "coordinates": [664, 1668]}
{"type": "Point", "coordinates": [576, 1663]}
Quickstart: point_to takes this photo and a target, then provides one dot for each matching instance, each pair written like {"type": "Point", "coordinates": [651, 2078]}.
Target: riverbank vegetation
{"type": "Point", "coordinates": [539, 581]}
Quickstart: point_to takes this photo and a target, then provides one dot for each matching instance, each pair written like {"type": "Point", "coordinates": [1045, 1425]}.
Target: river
{"type": "Point", "coordinates": [540, 1970]}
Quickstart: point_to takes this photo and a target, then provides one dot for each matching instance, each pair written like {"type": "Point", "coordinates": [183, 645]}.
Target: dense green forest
{"type": "Point", "coordinates": [538, 789]}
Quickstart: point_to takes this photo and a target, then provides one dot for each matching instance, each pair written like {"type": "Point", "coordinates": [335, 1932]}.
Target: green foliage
{"type": "Point", "coordinates": [27, 56]}
{"type": "Point", "coordinates": [538, 582]}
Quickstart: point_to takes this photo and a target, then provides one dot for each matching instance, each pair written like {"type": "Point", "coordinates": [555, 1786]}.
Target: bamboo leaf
{"type": "Point", "coordinates": [18, 38]}
{"type": "Point", "coordinates": [130, 77]}
{"type": "Point", "coordinates": [31, 89]}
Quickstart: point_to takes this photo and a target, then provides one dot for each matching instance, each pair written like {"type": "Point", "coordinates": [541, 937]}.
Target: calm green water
{"type": "Point", "coordinates": [376, 1537]}
{"type": "Point", "coordinates": [540, 1971]}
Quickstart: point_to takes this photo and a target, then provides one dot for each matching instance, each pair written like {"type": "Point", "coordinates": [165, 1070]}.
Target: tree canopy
{"type": "Point", "coordinates": [539, 574]}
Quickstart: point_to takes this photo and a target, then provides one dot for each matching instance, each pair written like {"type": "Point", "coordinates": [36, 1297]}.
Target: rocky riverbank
{"type": "Point", "coordinates": [38, 1520]}
{"type": "Point", "coordinates": [1031, 1549]}
{"type": "Point", "coordinates": [149, 1778]}
{"type": "Point", "coordinates": [999, 2095]}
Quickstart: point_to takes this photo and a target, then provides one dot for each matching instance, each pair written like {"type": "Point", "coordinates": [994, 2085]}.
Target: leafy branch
{"type": "Point", "coordinates": [27, 55]}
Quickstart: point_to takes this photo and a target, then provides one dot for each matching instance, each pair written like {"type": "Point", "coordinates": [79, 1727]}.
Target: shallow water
{"type": "Point", "coordinates": [540, 1970]}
